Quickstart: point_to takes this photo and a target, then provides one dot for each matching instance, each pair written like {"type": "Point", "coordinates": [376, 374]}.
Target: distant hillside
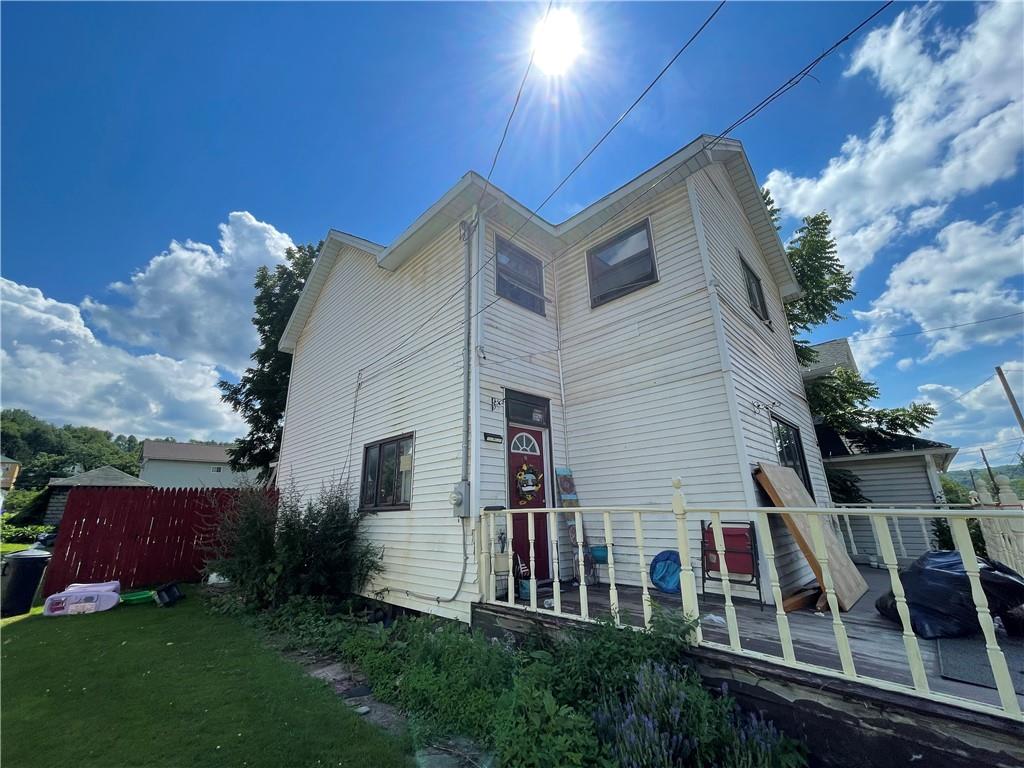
{"type": "Point", "coordinates": [1013, 471]}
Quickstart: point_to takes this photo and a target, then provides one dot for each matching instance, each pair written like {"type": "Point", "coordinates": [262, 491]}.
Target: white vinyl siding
{"type": "Point", "coordinates": [362, 312]}
{"type": "Point", "coordinates": [192, 474]}
{"type": "Point", "coordinates": [763, 362]}
{"type": "Point", "coordinates": [891, 480]}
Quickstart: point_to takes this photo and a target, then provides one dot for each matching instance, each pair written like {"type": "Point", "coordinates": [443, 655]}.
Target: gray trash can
{"type": "Point", "coordinates": [22, 573]}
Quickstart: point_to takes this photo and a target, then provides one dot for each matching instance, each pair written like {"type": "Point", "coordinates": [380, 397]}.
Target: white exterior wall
{"type": "Point", "coordinates": [362, 312]}
{"type": "Point", "coordinates": [645, 398]}
{"type": "Point", "coordinates": [762, 361]}
{"type": "Point", "coordinates": [892, 480]}
{"type": "Point", "coordinates": [192, 474]}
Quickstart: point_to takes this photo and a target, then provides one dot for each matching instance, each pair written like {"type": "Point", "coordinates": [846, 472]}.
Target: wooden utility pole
{"type": "Point", "coordinates": [1010, 397]}
{"type": "Point", "coordinates": [991, 474]}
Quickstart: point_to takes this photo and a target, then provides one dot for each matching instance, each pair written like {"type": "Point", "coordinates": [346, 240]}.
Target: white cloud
{"type": "Point", "coordinates": [972, 419]}
{"type": "Point", "coordinates": [972, 272]}
{"type": "Point", "coordinates": [55, 367]}
{"type": "Point", "coordinates": [956, 125]}
{"type": "Point", "coordinates": [193, 301]}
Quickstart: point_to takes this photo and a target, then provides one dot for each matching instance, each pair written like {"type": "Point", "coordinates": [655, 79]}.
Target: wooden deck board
{"type": "Point", "coordinates": [877, 643]}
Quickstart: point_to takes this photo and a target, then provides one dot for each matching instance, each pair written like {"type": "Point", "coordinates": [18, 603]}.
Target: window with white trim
{"type": "Point", "coordinates": [387, 474]}
{"type": "Point", "coordinates": [790, 447]}
{"type": "Point", "coordinates": [622, 264]}
{"type": "Point", "coordinates": [519, 276]}
{"type": "Point", "coordinates": [524, 442]}
{"type": "Point", "coordinates": [755, 292]}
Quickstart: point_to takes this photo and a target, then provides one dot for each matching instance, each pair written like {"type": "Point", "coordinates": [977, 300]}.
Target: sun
{"type": "Point", "coordinates": [557, 42]}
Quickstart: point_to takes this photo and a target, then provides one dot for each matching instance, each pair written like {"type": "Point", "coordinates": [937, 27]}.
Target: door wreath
{"type": "Point", "coordinates": [528, 483]}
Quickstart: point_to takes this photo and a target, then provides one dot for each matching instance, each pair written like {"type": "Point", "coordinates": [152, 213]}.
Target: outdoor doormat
{"type": "Point", "coordinates": [965, 659]}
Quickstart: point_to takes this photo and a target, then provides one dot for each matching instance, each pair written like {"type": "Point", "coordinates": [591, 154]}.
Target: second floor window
{"type": "Point", "coordinates": [387, 474]}
{"type": "Point", "coordinates": [519, 277]}
{"type": "Point", "coordinates": [621, 265]}
{"type": "Point", "coordinates": [755, 293]}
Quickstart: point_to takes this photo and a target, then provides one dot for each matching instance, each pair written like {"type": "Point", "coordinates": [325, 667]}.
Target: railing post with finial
{"type": "Point", "coordinates": [687, 582]}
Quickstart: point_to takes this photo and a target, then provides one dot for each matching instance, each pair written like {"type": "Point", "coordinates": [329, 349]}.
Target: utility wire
{"type": "Point", "coordinates": [943, 328]}
{"type": "Point", "coordinates": [781, 90]}
{"type": "Point", "coordinates": [515, 105]}
{"type": "Point", "coordinates": [965, 394]}
{"type": "Point", "coordinates": [562, 183]}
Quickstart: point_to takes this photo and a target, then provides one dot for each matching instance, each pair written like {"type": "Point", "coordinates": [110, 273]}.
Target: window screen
{"type": "Point", "coordinates": [387, 474]}
{"type": "Point", "coordinates": [790, 448]}
{"type": "Point", "coordinates": [519, 277]}
{"type": "Point", "coordinates": [755, 293]}
{"type": "Point", "coordinates": [621, 265]}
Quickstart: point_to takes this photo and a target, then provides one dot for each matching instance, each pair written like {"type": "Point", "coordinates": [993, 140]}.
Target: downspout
{"type": "Point", "coordinates": [561, 374]}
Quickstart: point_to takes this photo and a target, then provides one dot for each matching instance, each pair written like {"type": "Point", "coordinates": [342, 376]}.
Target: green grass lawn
{"type": "Point", "coordinates": [7, 547]}
{"type": "Point", "coordinates": [149, 686]}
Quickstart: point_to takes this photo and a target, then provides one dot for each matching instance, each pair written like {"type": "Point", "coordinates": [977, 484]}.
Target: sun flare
{"type": "Point", "coordinates": [557, 42]}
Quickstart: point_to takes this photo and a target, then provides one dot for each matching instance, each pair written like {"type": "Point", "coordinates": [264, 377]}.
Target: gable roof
{"type": "Point", "coordinates": [5, 460]}
{"type": "Point", "coordinates": [104, 477]}
{"type": "Point", "coordinates": [473, 190]}
{"type": "Point", "coordinates": [857, 443]}
{"type": "Point", "coordinates": [161, 450]}
{"type": "Point", "coordinates": [831, 355]}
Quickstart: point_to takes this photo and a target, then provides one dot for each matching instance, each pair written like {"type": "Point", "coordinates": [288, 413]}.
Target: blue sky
{"type": "Point", "coordinates": [187, 143]}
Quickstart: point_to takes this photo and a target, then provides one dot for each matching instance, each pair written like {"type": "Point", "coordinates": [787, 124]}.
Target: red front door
{"type": "Point", "coordinates": [527, 489]}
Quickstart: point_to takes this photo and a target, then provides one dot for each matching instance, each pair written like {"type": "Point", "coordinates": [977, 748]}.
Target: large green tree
{"type": "Point", "coordinates": [259, 395]}
{"type": "Point", "coordinates": [47, 451]}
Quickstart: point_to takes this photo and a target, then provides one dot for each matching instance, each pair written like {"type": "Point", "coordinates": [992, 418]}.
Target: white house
{"type": "Point", "coordinates": [189, 465]}
{"type": "Point", "coordinates": [889, 469]}
{"type": "Point", "coordinates": [641, 339]}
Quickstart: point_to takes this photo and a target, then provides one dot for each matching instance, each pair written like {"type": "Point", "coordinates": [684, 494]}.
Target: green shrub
{"type": "Point", "coordinates": [271, 549]}
{"type": "Point", "coordinates": [665, 717]}
{"type": "Point", "coordinates": [20, 534]}
{"type": "Point", "coordinates": [944, 535]}
{"type": "Point", "coordinates": [535, 731]}
{"type": "Point", "coordinates": [26, 507]}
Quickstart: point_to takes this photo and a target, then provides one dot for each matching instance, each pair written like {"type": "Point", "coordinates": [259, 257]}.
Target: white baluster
{"type": "Point", "coordinates": [613, 593]}
{"type": "Point", "coordinates": [849, 532]}
{"type": "Point", "coordinates": [821, 554]}
{"type": "Point", "coordinates": [492, 579]}
{"type": "Point", "coordinates": [556, 585]}
{"type": "Point", "coordinates": [511, 561]}
{"type": "Point", "coordinates": [899, 536]}
{"type": "Point", "coordinates": [687, 582]}
{"type": "Point", "coordinates": [723, 570]}
{"type": "Point", "coordinates": [531, 533]}
{"type": "Point", "coordinates": [1000, 672]}
{"type": "Point", "coordinates": [917, 671]}
{"type": "Point", "coordinates": [584, 603]}
{"type": "Point", "coordinates": [924, 532]}
{"type": "Point", "coordinates": [781, 619]}
{"type": "Point", "coordinates": [638, 529]}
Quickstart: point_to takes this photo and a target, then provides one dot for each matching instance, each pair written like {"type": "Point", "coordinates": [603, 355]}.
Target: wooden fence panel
{"type": "Point", "coordinates": [140, 536]}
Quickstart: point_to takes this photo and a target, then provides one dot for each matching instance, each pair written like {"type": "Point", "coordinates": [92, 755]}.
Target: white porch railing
{"type": "Point", "coordinates": [625, 531]}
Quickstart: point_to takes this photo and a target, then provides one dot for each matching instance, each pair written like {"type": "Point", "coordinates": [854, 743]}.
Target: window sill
{"type": "Point", "coordinates": [393, 508]}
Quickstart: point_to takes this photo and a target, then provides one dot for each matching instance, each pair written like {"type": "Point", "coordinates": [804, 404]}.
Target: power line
{"type": "Point", "coordinates": [515, 105]}
{"type": "Point", "coordinates": [965, 394]}
{"type": "Point", "coordinates": [796, 79]}
{"type": "Point", "coordinates": [943, 328]}
{"type": "Point", "coordinates": [564, 180]}
{"type": "Point", "coordinates": [792, 82]}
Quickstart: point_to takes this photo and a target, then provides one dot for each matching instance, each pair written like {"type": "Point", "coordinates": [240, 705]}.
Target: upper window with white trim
{"type": "Point", "coordinates": [622, 264]}
{"type": "Point", "coordinates": [755, 293]}
{"type": "Point", "coordinates": [519, 276]}
{"type": "Point", "coordinates": [524, 442]}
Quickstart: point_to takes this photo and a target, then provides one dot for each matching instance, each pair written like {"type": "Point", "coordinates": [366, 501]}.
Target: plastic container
{"type": "Point", "coordinates": [138, 596]}
{"type": "Point", "coordinates": [599, 554]}
{"type": "Point", "coordinates": [22, 573]}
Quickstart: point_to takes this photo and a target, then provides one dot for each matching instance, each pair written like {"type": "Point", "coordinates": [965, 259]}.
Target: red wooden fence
{"type": "Point", "coordinates": [140, 536]}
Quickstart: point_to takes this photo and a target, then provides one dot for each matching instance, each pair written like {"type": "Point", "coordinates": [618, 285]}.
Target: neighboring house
{"type": "Point", "coordinates": [189, 465]}
{"type": "Point", "coordinates": [9, 469]}
{"type": "Point", "coordinates": [889, 469]}
{"type": "Point", "coordinates": [101, 477]}
{"type": "Point", "coordinates": [631, 348]}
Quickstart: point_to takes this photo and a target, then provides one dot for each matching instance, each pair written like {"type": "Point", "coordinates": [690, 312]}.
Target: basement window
{"type": "Point", "coordinates": [621, 265]}
{"type": "Point", "coordinates": [519, 276]}
{"type": "Point", "coordinates": [790, 448]}
{"type": "Point", "coordinates": [387, 474]}
{"type": "Point", "coordinates": [755, 292]}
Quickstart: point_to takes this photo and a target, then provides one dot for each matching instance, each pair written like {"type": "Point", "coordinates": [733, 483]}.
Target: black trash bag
{"type": "Point", "coordinates": [939, 594]}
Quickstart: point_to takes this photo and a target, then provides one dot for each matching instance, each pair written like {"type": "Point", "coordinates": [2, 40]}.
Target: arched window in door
{"type": "Point", "coordinates": [524, 442]}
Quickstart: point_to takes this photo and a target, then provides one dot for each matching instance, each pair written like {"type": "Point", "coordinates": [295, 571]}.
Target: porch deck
{"type": "Point", "coordinates": [877, 643]}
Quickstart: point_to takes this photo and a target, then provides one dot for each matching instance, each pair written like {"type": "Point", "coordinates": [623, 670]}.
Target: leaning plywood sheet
{"type": "Point", "coordinates": [786, 490]}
